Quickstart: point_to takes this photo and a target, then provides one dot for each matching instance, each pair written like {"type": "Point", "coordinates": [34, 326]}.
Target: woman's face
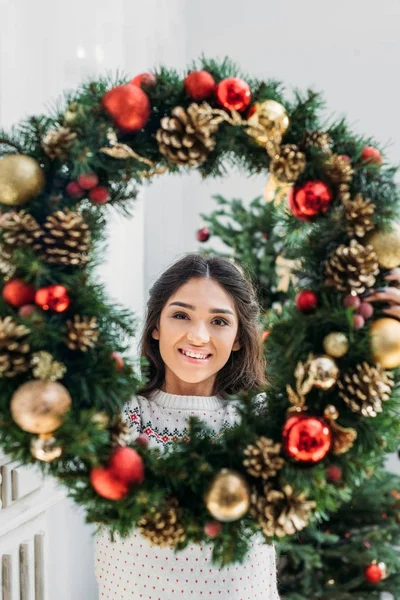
{"type": "Point", "coordinates": [199, 318]}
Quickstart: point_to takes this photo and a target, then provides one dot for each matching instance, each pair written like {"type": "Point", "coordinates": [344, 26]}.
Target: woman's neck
{"type": "Point", "coordinates": [173, 385]}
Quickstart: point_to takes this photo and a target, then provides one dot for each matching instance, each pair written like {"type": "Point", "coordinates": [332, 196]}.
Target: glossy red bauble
{"type": "Point", "coordinates": [203, 234]}
{"type": "Point", "coordinates": [127, 465]}
{"type": "Point", "coordinates": [307, 439]}
{"type": "Point", "coordinates": [234, 94]}
{"type": "Point", "coordinates": [371, 155]}
{"type": "Point", "coordinates": [199, 85]}
{"type": "Point", "coordinates": [309, 200]}
{"type": "Point", "coordinates": [306, 301]}
{"type": "Point", "coordinates": [53, 297]}
{"type": "Point", "coordinates": [146, 79]}
{"type": "Point", "coordinates": [374, 573]}
{"type": "Point", "coordinates": [17, 293]}
{"type": "Point", "coordinates": [213, 529]}
{"type": "Point", "coordinates": [99, 195]}
{"type": "Point", "coordinates": [334, 473]}
{"type": "Point", "coordinates": [129, 106]}
{"type": "Point", "coordinates": [107, 485]}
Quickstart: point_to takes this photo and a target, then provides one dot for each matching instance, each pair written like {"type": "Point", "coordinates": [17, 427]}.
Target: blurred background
{"type": "Point", "coordinates": [348, 50]}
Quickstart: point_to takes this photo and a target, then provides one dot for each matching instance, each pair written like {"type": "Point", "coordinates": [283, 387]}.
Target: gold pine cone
{"type": "Point", "coordinates": [57, 142]}
{"type": "Point", "coordinates": [20, 229]}
{"type": "Point", "coordinates": [46, 368]}
{"type": "Point", "coordinates": [338, 169]}
{"type": "Point", "coordinates": [365, 388]}
{"type": "Point", "coordinates": [67, 239]}
{"type": "Point", "coordinates": [82, 333]}
{"type": "Point", "coordinates": [280, 512]}
{"type": "Point", "coordinates": [288, 165]}
{"type": "Point", "coordinates": [13, 349]}
{"type": "Point", "coordinates": [7, 266]}
{"type": "Point", "coordinates": [318, 139]}
{"type": "Point", "coordinates": [352, 268]}
{"type": "Point", "coordinates": [186, 137]}
{"type": "Point", "coordinates": [262, 458]}
{"type": "Point", "coordinates": [359, 214]}
{"type": "Point", "coordinates": [163, 527]}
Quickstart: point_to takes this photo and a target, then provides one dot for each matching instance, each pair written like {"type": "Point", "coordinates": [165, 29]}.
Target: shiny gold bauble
{"type": "Point", "coordinates": [21, 179]}
{"type": "Point", "coordinates": [228, 497]}
{"type": "Point", "coordinates": [39, 406]}
{"type": "Point", "coordinates": [336, 344]}
{"type": "Point", "coordinates": [271, 113]}
{"type": "Point", "coordinates": [45, 448]}
{"type": "Point", "coordinates": [323, 371]}
{"type": "Point", "coordinates": [387, 246]}
{"type": "Point", "coordinates": [385, 342]}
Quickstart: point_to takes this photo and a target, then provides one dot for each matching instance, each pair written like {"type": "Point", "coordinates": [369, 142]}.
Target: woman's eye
{"type": "Point", "coordinates": [179, 315]}
{"type": "Point", "coordinates": [221, 321]}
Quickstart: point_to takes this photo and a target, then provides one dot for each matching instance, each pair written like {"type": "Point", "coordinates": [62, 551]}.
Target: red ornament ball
{"type": "Point", "coordinates": [87, 181]}
{"type": "Point", "coordinates": [213, 529]}
{"type": "Point", "coordinates": [129, 106]}
{"type": "Point", "coordinates": [146, 79]}
{"type": "Point", "coordinates": [127, 465]}
{"type": "Point", "coordinates": [334, 473]}
{"type": "Point", "coordinates": [374, 573]}
{"type": "Point", "coordinates": [309, 200]}
{"type": "Point", "coordinates": [203, 234]}
{"type": "Point", "coordinates": [74, 190]}
{"type": "Point", "coordinates": [119, 361]}
{"type": "Point", "coordinates": [53, 297]}
{"type": "Point", "coordinates": [306, 301]}
{"type": "Point", "coordinates": [306, 439]}
{"type": "Point", "coordinates": [234, 94]}
{"type": "Point", "coordinates": [199, 85]}
{"type": "Point", "coordinates": [17, 293]}
{"type": "Point", "coordinates": [371, 155]}
{"type": "Point", "coordinates": [107, 485]}
{"type": "Point", "coordinates": [99, 195]}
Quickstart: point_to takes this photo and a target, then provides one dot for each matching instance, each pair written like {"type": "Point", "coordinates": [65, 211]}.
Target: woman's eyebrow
{"type": "Point", "coordinates": [212, 310]}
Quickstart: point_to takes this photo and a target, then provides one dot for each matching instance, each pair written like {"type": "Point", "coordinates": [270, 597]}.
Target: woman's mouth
{"type": "Point", "coordinates": [195, 357]}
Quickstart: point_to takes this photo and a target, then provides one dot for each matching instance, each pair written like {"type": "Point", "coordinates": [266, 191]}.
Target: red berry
{"type": "Point", "coordinates": [358, 321]}
{"type": "Point", "coordinates": [27, 310]}
{"type": "Point", "coordinates": [88, 181]}
{"type": "Point", "coordinates": [306, 301]}
{"type": "Point", "coordinates": [146, 79]}
{"type": "Point", "coordinates": [142, 440]}
{"type": "Point", "coordinates": [203, 234]}
{"type": "Point", "coordinates": [17, 293]}
{"type": "Point", "coordinates": [334, 473]}
{"type": "Point", "coordinates": [351, 301]}
{"type": "Point", "coordinates": [366, 310]}
{"type": "Point", "coordinates": [119, 361]}
{"type": "Point", "coordinates": [99, 195]}
{"type": "Point", "coordinates": [74, 190]}
{"type": "Point", "coordinates": [373, 573]}
{"type": "Point", "coordinates": [126, 464]}
{"type": "Point", "coordinates": [213, 529]}
{"type": "Point", "coordinates": [199, 85]}
{"type": "Point", "coordinates": [107, 485]}
{"type": "Point", "coordinates": [371, 155]}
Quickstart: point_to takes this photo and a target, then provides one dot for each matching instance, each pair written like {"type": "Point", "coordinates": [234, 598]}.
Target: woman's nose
{"type": "Point", "coordinates": [198, 334]}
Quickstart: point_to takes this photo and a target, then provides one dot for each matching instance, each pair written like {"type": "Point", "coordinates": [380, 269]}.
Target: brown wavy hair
{"type": "Point", "coordinates": [245, 368]}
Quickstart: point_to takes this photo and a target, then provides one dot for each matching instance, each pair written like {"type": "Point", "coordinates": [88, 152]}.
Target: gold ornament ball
{"type": "Point", "coordinates": [387, 246]}
{"type": "Point", "coordinates": [324, 372]}
{"type": "Point", "coordinates": [21, 179]}
{"type": "Point", "coordinates": [385, 342]}
{"type": "Point", "coordinates": [45, 448]}
{"type": "Point", "coordinates": [228, 497]}
{"type": "Point", "coordinates": [336, 344]}
{"type": "Point", "coordinates": [271, 113]}
{"type": "Point", "coordinates": [39, 406]}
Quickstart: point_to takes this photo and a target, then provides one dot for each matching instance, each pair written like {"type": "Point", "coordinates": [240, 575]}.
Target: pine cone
{"type": "Point", "coordinates": [46, 368]}
{"type": "Point", "coordinates": [352, 268]}
{"type": "Point", "coordinates": [119, 431]}
{"type": "Point", "coordinates": [289, 164]}
{"type": "Point", "coordinates": [20, 229]}
{"type": "Point", "coordinates": [185, 138]}
{"type": "Point", "coordinates": [318, 139]}
{"type": "Point", "coordinates": [82, 333]}
{"type": "Point", "coordinates": [66, 240]}
{"type": "Point", "coordinates": [263, 458]}
{"type": "Point", "coordinates": [163, 527]}
{"type": "Point", "coordinates": [339, 169]}
{"type": "Point", "coordinates": [57, 142]}
{"type": "Point", "coordinates": [365, 388]}
{"type": "Point", "coordinates": [13, 350]}
{"type": "Point", "coordinates": [280, 512]}
{"type": "Point", "coordinates": [359, 213]}
{"type": "Point", "coordinates": [7, 267]}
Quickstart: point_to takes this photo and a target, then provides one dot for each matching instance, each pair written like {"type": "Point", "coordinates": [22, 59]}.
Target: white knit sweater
{"type": "Point", "coordinates": [133, 569]}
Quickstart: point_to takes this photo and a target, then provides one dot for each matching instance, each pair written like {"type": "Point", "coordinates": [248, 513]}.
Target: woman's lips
{"type": "Point", "coordinates": [197, 361]}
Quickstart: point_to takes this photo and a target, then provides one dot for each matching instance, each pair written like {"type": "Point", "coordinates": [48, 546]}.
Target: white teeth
{"type": "Point", "coordinates": [194, 354]}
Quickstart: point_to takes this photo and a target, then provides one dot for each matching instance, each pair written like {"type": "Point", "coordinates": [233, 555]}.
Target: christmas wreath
{"type": "Point", "coordinates": [296, 455]}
